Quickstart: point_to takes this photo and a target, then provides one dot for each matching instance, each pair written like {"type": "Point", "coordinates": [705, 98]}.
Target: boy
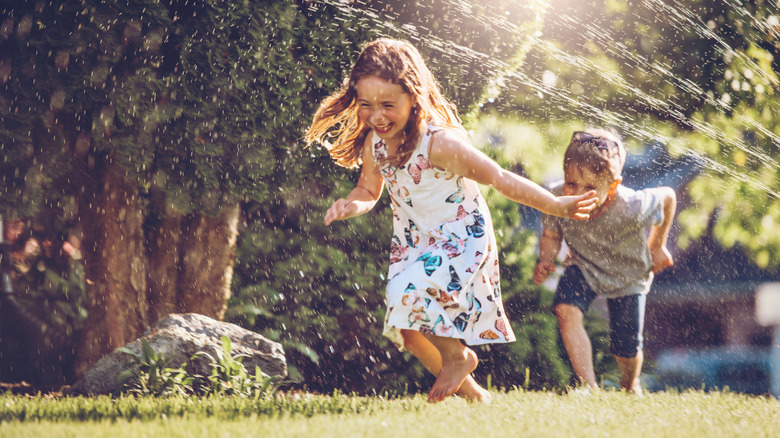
{"type": "Point", "coordinates": [610, 254]}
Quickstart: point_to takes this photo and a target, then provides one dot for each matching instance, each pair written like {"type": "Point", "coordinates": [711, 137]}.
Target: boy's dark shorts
{"type": "Point", "coordinates": [626, 314]}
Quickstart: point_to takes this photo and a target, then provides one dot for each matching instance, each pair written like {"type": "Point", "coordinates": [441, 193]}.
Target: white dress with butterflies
{"type": "Point", "coordinates": [443, 277]}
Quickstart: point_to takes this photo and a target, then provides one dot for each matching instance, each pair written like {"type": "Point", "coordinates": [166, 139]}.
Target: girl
{"type": "Point", "coordinates": [443, 282]}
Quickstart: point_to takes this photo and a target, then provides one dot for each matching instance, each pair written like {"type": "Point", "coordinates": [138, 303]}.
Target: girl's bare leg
{"type": "Point", "coordinates": [576, 342]}
{"type": "Point", "coordinates": [457, 363]}
{"type": "Point", "coordinates": [429, 356]}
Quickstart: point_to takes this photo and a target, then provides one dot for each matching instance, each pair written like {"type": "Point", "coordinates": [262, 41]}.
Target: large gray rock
{"type": "Point", "coordinates": [178, 337]}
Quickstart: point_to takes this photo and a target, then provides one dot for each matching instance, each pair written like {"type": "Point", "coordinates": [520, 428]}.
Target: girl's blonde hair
{"type": "Point", "coordinates": [399, 63]}
{"type": "Point", "coordinates": [600, 150]}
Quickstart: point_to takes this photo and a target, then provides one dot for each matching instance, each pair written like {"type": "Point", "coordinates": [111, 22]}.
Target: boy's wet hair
{"type": "Point", "coordinates": [600, 150]}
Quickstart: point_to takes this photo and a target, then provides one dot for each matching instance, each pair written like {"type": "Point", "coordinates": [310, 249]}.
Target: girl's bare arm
{"type": "Point", "coordinates": [365, 194]}
{"type": "Point", "coordinates": [449, 152]}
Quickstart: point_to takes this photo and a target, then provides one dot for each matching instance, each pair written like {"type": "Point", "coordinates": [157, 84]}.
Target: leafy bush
{"type": "Point", "coordinates": [229, 376]}
{"type": "Point", "coordinates": [150, 375]}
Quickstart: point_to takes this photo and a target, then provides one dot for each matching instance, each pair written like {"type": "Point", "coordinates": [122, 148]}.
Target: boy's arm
{"type": "Point", "coordinates": [549, 247]}
{"type": "Point", "coordinates": [656, 240]}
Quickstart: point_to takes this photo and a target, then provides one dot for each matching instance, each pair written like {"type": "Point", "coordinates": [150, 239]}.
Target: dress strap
{"type": "Point", "coordinates": [425, 139]}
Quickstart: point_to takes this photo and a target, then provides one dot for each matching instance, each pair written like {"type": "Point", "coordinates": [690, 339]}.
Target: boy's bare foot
{"type": "Point", "coordinates": [582, 390]}
{"type": "Point", "coordinates": [452, 375]}
{"type": "Point", "coordinates": [635, 389]}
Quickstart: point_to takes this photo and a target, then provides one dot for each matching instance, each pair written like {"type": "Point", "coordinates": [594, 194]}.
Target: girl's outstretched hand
{"type": "Point", "coordinates": [579, 206]}
{"type": "Point", "coordinates": [542, 270]}
{"type": "Point", "coordinates": [340, 209]}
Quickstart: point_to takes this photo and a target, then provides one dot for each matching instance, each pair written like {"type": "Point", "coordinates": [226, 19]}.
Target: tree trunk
{"type": "Point", "coordinates": [190, 261]}
{"type": "Point", "coordinates": [208, 247]}
{"type": "Point", "coordinates": [163, 240]}
{"type": "Point", "coordinates": [185, 263]}
{"type": "Point", "coordinates": [111, 219]}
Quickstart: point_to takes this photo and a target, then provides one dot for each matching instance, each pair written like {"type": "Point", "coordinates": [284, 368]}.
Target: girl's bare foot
{"type": "Point", "coordinates": [471, 391]}
{"type": "Point", "coordinates": [452, 375]}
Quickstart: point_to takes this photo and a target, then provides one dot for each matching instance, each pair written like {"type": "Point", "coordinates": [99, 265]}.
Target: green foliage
{"type": "Point", "coordinates": [470, 46]}
{"type": "Point", "coordinates": [150, 375]}
{"type": "Point", "coordinates": [322, 292]}
{"type": "Point", "coordinates": [52, 294]}
{"type": "Point", "coordinates": [69, 70]}
{"type": "Point", "coordinates": [700, 77]}
{"type": "Point", "coordinates": [229, 376]}
{"type": "Point", "coordinates": [202, 100]}
{"type": "Point", "coordinates": [202, 104]}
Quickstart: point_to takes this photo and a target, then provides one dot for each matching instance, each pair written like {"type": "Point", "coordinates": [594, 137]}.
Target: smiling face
{"type": "Point", "coordinates": [385, 107]}
{"type": "Point", "coordinates": [581, 179]}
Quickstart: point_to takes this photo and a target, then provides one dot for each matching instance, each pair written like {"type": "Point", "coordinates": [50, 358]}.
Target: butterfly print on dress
{"type": "Point", "coordinates": [442, 248]}
{"type": "Point", "coordinates": [461, 321]}
{"type": "Point", "coordinates": [412, 234]}
{"type": "Point", "coordinates": [459, 195]}
{"type": "Point", "coordinates": [477, 229]}
{"type": "Point", "coordinates": [416, 168]}
{"type": "Point", "coordinates": [454, 281]}
{"type": "Point", "coordinates": [440, 328]}
{"type": "Point", "coordinates": [418, 305]}
{"type": "Point", "coordinates": [454, 246]}
{"type": "Point", "coordinates": [430, 262]}
{"type": "Point", "coordinates": [477, 261]}
{"type": "Point", "coordinates": [397, 250]}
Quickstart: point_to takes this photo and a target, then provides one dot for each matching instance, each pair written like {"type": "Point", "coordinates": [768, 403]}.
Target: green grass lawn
{"type": "Point", "coordinates": [512, 414]}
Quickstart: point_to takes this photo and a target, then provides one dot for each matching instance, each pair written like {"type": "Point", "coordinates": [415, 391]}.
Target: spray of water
{"type": "Point", "coordinates": [682, 20]}
{"type": "Point", "coordinates": [509, 76]}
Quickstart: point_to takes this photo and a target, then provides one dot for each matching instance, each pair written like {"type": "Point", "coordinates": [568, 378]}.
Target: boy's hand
{"type": "Point", "coordinates": [662, 259]}
{"type": "Point", "coordinates": [578, 207]}
{"type": "Point", "coordinates": [542, 270]}
{"type": "Point", "coordinates": [340, 209]}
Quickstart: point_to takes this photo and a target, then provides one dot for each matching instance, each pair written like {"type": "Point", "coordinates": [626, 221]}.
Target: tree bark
{"type": "Point", "coordinates": [115, 267]}
{"type": "Point", "coordinates": [163, 240]}
{"type": "Point", "coordinates": [208, 247]}
{"type": "Point", "coordinates": [183, 264]}
{"type": "Point", "coordinates": [190, 260]}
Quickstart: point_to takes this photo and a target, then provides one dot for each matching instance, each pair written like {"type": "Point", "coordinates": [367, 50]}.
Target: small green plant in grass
{"type": "Point", "coordinates": [230, 377]}
{"type": "Point", "coordinates": [152, 376]}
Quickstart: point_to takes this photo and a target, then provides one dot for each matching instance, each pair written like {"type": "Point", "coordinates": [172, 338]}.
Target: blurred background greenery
{"type": "Point", "coordinates": [196, 108]}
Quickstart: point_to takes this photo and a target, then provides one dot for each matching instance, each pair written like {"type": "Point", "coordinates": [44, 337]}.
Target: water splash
{"type": "Point", "coordinates": [682, 20]}
{"type": "Point", "coordinates": [510, 76]}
